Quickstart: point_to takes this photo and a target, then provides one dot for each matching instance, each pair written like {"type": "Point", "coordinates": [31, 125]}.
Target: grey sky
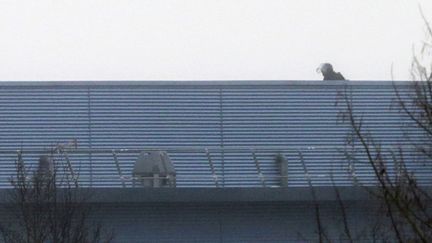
{"type": "Point", "coordinates": [207, 40]}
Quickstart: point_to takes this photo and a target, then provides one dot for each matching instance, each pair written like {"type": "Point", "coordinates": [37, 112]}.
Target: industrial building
{"type": "Point", "coordinates": [207, 161]}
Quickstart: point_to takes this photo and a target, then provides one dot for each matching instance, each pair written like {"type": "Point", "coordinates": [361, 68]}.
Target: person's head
{"type": "Point", "coordinates": [325, 68]}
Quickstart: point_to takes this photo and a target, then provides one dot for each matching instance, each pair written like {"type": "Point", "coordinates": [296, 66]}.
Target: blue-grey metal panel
{"type": "Point", "coordinates": [122, 115]}
{"type": "Point", "coordinates": [151, 117]}
{"type": "Point", "coordinates": [306, 116]}
{"type": "Point", "coordinates": [38, 118]}
{"type": "Point", "coordinates": [291, 222]}
{"type": "Point", "coordinates": [234, 222]}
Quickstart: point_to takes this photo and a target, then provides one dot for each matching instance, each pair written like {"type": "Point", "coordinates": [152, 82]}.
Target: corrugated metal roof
{"type": "Point", "coordinates": [213, 114]}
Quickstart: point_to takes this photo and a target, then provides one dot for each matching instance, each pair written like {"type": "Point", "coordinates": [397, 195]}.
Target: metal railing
{"type": "Point", "coordinates": [207, 166]}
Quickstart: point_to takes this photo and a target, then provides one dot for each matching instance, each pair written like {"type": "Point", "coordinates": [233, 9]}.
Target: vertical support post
{"type": "Point", "coordinates": [258, 167]}
{"type": "Point", "coordinates": [213, 171]}
{"type": "Point", "coordinates": [118, 168]}
{"type": "Point", "coordinates": [170, 179]}
{"type": "Point", "coordinates": [352, 170]}
{"type": "Point", "coordinates": [69, 164]}
{"type": "Point", "coordinates": [156, 181]}
{"type": "Point", "coordinates": [307, 175]}
{"type": "Point", "coordinates": [283, 168]}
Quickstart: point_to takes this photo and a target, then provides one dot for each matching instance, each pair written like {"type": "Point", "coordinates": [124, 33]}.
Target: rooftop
{"type": "Point", "coordinates": [218, 134]}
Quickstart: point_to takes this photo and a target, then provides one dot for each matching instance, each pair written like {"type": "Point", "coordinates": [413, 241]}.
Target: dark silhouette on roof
{"type": "Point", "coordinates": [329, 74]}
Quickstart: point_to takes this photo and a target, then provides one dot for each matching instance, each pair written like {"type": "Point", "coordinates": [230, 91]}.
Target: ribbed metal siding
{"type": "Point", "coordinates": [305, 116]}
{"type": "Point", "coordinates": [298, 116]}
{"type": "Point", "coordinates": [37, 118]}
{"type": "Point", "coordinates": [143, 116]}
{"type": "Point", "coordinates": [139, 117]}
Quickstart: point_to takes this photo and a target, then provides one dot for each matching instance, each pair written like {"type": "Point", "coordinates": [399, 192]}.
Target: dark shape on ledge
{"type": "Point", "coordinates": [154, 169]}
{"type": "Point", "coordinates": [329, 74]}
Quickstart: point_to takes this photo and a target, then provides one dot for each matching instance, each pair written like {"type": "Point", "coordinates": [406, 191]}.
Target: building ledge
{"type": "Point", "coordinates": [216, 195]}
{"type": "Point", "coordinates": [221, 195]}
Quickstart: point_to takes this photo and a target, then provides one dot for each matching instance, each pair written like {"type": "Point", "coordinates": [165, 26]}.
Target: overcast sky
{"type": "Point", "coordinates": [207, 40]}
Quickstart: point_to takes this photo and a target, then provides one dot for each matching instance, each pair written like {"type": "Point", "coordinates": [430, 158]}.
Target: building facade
{"type": "Point", "coordinates": [226, 141]}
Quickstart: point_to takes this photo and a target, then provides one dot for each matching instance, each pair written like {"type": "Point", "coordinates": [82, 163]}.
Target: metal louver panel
{"type": "Point", "coordinates": [154, 117]}
{"type": "Point", "coordinates": [304, 116]}
{"type": "Point", "coordinates": [39, 117]}
{"type": "Point", "coordinates": [231, 120]}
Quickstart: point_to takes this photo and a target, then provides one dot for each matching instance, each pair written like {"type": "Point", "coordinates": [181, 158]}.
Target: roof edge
{"type": "Point", "coordinates": [204, 83]}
